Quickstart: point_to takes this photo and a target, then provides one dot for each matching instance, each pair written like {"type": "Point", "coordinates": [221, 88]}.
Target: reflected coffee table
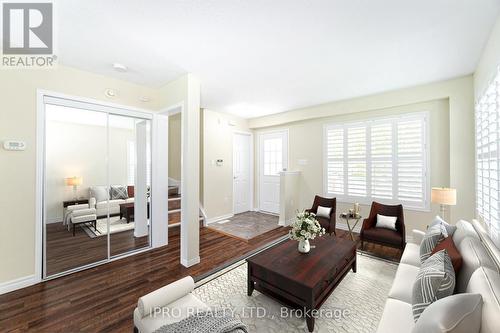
{"type": "Point", "coordinates": [127, 211]}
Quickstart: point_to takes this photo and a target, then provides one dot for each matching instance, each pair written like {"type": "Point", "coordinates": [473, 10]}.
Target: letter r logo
{"type": "Point", "coordinates": [27, 28]}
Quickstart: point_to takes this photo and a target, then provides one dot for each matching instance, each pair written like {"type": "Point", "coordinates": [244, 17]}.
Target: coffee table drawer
{"type": "Point", "coordinates": [276, 280]}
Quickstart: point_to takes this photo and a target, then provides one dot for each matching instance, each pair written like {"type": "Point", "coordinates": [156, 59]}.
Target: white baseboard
{"type": "Point", "coordinates": [54, 220]}
{"type": "Point", "coordinates": [288, 222]}
{"type": "Point", "coordinates": [190, 262]}
{"type": "Point", "coordinates": [23, 282]}
{"type": "Point", "coordinates": [219, 218]}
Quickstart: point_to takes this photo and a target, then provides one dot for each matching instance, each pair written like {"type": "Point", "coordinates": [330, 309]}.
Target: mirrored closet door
{"type": "Point", "coordinates": [97, 180]}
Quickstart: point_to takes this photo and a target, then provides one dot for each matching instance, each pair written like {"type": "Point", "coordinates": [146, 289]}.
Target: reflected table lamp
{"type": "Point", "coordinates": [444, 197]}
{"type": "Point", "coordinates": [75, 182]}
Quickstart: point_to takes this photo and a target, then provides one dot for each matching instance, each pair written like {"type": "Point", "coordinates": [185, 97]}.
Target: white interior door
{"type": "Point", "coordinates": [273, 148]}
{"type": "Point", "coordinates": [241, 173]}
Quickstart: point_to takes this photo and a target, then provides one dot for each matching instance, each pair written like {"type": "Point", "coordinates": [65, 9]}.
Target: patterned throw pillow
{"type": "Point", "coordinates": [450, 229]}
{"type": "Point", "coordinates": [432, 237]}
{"type": "Point", "coordinates": [435, 280]}
{"type": "Point", "coordinates": [118, 192]}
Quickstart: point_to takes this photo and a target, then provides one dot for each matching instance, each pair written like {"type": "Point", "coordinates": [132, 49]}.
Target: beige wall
{"type": "Point", "coordinates": [73, 150]}
{"type": "Point", "coordinates": [18, 169]}
{"type": "Point", "coordinates": [217, 181]}
{"type": "Point", "coordinates": [174, 146]}
{"type": "Point", "coordinates": [311, 178]}
{"type": "Point", "coordinates": [452, 129]}
{"type": "Point", "coordinates": [489, 62]}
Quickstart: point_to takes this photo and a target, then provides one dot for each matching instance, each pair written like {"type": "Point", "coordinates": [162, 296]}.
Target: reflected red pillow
{"type": "Point", "coordinates": [448, 245]}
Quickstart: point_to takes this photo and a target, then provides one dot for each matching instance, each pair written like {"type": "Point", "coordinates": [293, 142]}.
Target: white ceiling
{"type": "Point", "coordinates": [257, 57]}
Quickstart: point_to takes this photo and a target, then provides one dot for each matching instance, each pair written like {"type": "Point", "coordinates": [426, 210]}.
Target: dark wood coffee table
{"type": "Point", "coordinates": [302, 280]}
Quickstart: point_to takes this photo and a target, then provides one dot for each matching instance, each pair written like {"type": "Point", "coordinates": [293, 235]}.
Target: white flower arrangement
{"type": "Point", "coordinates": [306, 227]}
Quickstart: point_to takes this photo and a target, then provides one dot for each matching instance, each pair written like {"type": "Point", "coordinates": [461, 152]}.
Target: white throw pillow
{"type": "Point", "coordinates": [387, 222]}
{"type": "Point", "coordinates": [323, 212]}
{"type": "Point", "coordinates": [100, 193]}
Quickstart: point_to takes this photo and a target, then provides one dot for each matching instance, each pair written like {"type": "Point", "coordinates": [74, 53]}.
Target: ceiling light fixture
{"type": "Point", "coordinates": [144, 99]}
{"type": "Point", "coordinates": [110, 93]}
{"type": "Point", "coordinates": [120, 67]}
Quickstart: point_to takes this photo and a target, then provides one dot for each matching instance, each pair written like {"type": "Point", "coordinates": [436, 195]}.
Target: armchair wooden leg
{"type": "Point", "coordinates": [73, 229]}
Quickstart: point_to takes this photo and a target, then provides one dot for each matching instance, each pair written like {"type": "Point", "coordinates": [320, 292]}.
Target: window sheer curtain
{"type": "Point", "coordinates": [487, 158]}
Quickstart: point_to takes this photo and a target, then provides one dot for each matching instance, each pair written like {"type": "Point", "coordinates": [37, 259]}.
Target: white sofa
{"type": "Point", "coordinates": [100, 202]}
{"type": "Point", "coordinates": [167, 305]}
{"type": "Point", "coordinates": [479, 274]}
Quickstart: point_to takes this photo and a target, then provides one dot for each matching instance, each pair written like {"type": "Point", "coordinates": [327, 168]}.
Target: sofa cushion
{"type": "Point", "coordinates": [450, 229]}
{"type": "Point", "coordinates": [112, 203]}
{"type": "Point", "coordinates": [100, 193]}
{"type": "Point", "coordinates": [464, 230]}
{"type": "Point", "coordinates": [183, 307]}
{"type": "Point", "coordinates": [403, 281]}
{"type": "Point", "coordinates": [486, 282]}
{"type": "Point", "coordinates": [397, 317]}
{"type": "Point", "coordinates": [474, 255]}
{"type": "Point", "coordinates": [435, 280]}
{"type": "Point", "coordinates": [118, 192]}
{"type": "Point", "coordinates": [448, 245]}
{"type": "Point", "coordinates": [411, 255]}
{"type": "Point", "coordinates": [459, 313]}
{"type": "Point", "coordinates": [433, 236]}
{"type": "Point", "coordinates": [383, 235]}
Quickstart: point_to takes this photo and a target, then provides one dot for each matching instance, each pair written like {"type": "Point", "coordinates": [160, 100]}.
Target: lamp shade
{"type": "Point", "coordinates": [444, 196]}
{"type": "Point", "coordinates": [73, 181]}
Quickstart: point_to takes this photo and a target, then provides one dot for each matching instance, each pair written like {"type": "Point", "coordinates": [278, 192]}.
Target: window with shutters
{"type": "Point", "coordinates": [487, 158]}
{"type": "Point", "coordinates": [384, 160]}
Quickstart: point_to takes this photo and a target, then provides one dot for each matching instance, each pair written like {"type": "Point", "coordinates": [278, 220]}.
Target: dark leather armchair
{"type": "Point", "coordinates": [327, 223]}
{"type": "Point", "coordinates": [383, 236]}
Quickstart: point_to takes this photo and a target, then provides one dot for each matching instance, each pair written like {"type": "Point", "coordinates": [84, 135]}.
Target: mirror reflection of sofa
{"type": "Point", "coordinates": [117, 194]}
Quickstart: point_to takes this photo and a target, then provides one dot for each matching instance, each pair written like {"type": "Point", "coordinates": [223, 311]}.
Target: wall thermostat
{"type": "Point", "coordinates": [14, 145]}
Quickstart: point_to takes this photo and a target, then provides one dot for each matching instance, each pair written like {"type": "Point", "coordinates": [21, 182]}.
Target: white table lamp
{"type": "Point", "coordinates": [444, 197]}
{"type": "Point", "coordinates": [75, 182]}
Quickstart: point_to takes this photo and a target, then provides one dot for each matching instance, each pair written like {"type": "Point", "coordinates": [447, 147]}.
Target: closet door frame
{"type": "Point", "coordinates": [49, 97]}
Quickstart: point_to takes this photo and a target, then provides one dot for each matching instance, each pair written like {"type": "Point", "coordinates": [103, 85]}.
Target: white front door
{"type": "Point", "coordinates": [273, 148]}
{"type": "Point", "coordinates": [241, 173]}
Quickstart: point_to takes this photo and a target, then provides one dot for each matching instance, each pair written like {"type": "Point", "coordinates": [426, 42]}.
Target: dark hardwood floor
{"type": "Point", "coordinates": [65, 251]}
{"type": "Point", "coordinates": [102, 299]}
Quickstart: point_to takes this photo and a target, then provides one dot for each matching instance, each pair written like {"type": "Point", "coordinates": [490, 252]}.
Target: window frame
{"type": "Point", "coordinates": [367, 122]}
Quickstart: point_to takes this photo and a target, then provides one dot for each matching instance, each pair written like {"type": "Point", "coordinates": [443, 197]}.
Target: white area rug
{"type": "Point", "coordinates": [115, 225]}
{"type": "Point", "coordinates": [362, 294]}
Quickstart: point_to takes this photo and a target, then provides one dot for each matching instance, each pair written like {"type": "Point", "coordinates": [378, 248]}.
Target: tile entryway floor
{"type": "Point", "coordinates": [246, 226]}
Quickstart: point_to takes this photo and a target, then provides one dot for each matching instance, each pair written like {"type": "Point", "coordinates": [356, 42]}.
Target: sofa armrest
{"type": "Point", "coordinates": [165, 295]}
{"type": "Point", "coordinates": [73, 208]}
{"type": "Point", "coordinates": [417, 236]}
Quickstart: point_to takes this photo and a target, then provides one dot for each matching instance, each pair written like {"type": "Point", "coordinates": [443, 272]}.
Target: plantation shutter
{"type": "Point", "coordinates": [356, 161]}
{"type": "Point", "coordinates": [382, 160]}
{"type": "Point", "coordinates": [335, 160]}
{"type": "Point", "coordinates": [378, 160]}
{"type": "Point", "coordinates": [487, 158]}
{"type": "Point", "coordinates": [411, 162]}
